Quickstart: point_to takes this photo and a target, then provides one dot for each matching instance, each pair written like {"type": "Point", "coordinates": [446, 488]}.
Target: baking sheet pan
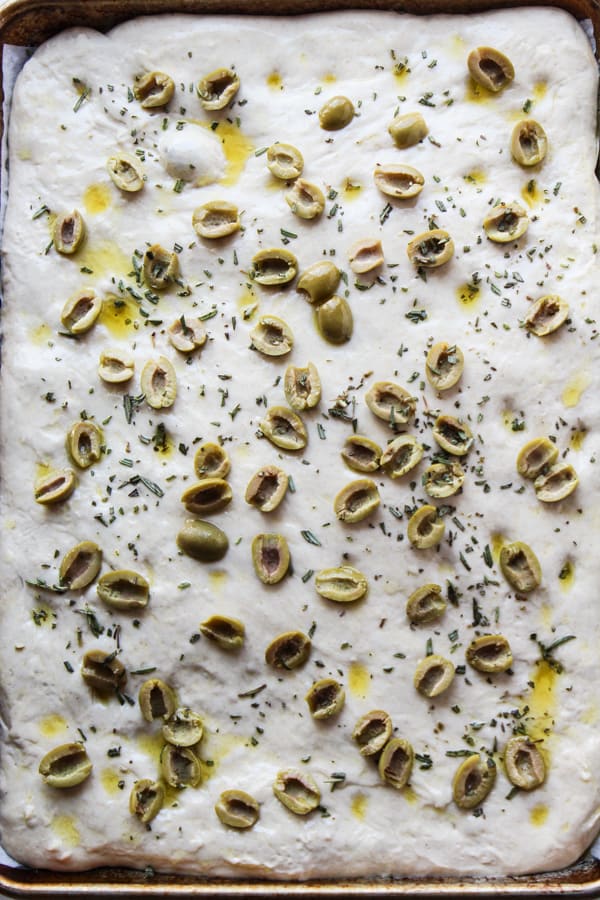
{"type": "Point", "coordinates": [28, 23]}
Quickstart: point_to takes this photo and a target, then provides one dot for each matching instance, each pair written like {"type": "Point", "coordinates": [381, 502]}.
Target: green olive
{"type": "Point", "coordinates": [396, 762]}
{"type": "Point", "coordinates": [154, 89]}
{"type": "Point", "coordinates": [365, 255]}
{"type": "Point", "coordinates": [453, 435]}
{"type": "Point", "coordinates": [524, 764]}
{"type": "Point", "coordinates": [54, 486]}
{"type": "Point", "coordinates": [490, 653]}
{"type": "Point", "coordinates": [408, 129]}
{"type": "Point", "coordinates": [84, 443]}
{"type": "Point", "coordinates": [306, 200]}
{"type": "Point", "coordinates": [272, 336]}
{"type": "Point", "coordinates": [520, 566]}
{"type": "Point", "coordinates": [319, 281]}
{"type": "Point", "coordinates": [325, 698]}
{"type": "Point", "coordinates": [506, 222]}
{"type": "Point", "coordinates": [288, 650]}
{"type": "Point", "coordinates": [302, 387]}
{"type": "Point", "coordinates": [431, 249]}
{"type": "Point", "coordinates": [284, 161]}
{"type": "Point", "coordinates": [356, 500]}
{"type": "Point", "coordinates": [490, 68]}
{"type": "Point", "coordinates": [161, 267]}
{"type": "Point", "coordinates": [473, 780]}
{"type": "Point", "coordinates": [146, 799]}
{"type": "Point", "coordinates": [425, 605]}
{"type": "Point", "coordinates": [123, 590]}
{"type": "Point", "coordinates": [334, 320]}
{"type": "Point", "coordinates": [202, 540]}
{"type": "Point", "coordinates": [116, 366]}
{"type": "Point", "coordinates": [228, 633]}
{"type": "Point", "coordinates": [65, 766]}
{"type": "Point", "coordinates": [180, 767]}
{"type": "Point", "coordinates": [103, 671]}
{"type": "Point", "coordinates": [159, 383]}
{"type": "Point", "coordinates": [187, 335]}
{"type": "Point", "coordinates": [546, 315]}
{"type": "Point", "coordinates": [399, 181]}
{"type": "Point", "coordinates": [69, 232]}
{"type": "Point", "coordinates": [126, 171]}
{"type": "Point", "coordinates": [183, 728]}
{"type": "Point", "coordinates": [157, 700]}
{"type": "Point", "coordinates": [80, 565]}
{"type": "Point", "coordinates": [433, 675]}
{"type": "Point", "coordinates": [556, 484]}
{"type": "Point", "coordinates": [297, 791]}
{"type": "Point", "coordinates": [211, 461]}
{"type": "Point", "coordinates": [442, 480]}
{"type": "Point", "coordinates": [81, 311]}
{"type": "Point", "coordinates": [217, 89]}
{"type": "Point", "coordinates": [444, 366]}
{"type": "Point", "coordinates": [401, 455]}
{"type": "Point", "coordinates": [537, 455]}
{"type": "Point", "coordinates": [425, 530]}
{"type": "Point", "coordinates": [273, 266]}
{"type": "Point", "coordinates": [336, 113]}
{"type": "Point", "coordinates": [372, 732]}
{"type": "Point", "coordinates": [216, 219]}
{"type": "Point", "coordinates": [237, 809]}
{"type": "Point", "coordinates": [342, 585]}
{"type": "Point", "coordinates": [271, 557]}
{"type": "Point", "coordinates": [361, 453]}
{"type": "Point", "coordinates": [528, 143]}
{"type": "Point", "coordinates": [284, 428]}
{"type": "Point", "coordinates": [208, 496]}
{"type": "Point", "coordinates": [266, 489]}
{"type": "Point", "coordinates": [390, 402]}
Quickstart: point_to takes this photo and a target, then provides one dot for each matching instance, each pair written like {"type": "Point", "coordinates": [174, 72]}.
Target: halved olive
{"type": "Point", "coordinates": [159, 383]}
{"type": "Point", "coordinates": [344, 584]}
{"type": "Point", "coordinates": [319, 281]}
{"type": "Point", "coordinates": [528, 143]}
{"type": "Point", "coordinates": [325, 698]}
{"type": "Point", "coordinates": [228, 633]}
{"type": "Point", "coordinates": [473, 780]}
{"type": "Point", "coordinates": [218, 88]}
{"type": "Point", "coordinates": [356, 501]}
{"type": "Point", "coordinates": [336, 113]}
{"type": "Point", "coordinates": [103, 671]}
{"type": "Point", "coordinates": [157, 700]}
{"type": "Point", "coordinates": [453, 435]}
{"type": "Point", "coordinates": [506, 222]}
{"type": "Point", "coordinates": [216, 219]}
{"type": "Point", "coordinates": [399, 181]}
{"type": "Point", "coordinates": [396, 762]}
{"type": "Point", "coordinates": [284, 428]}
{"type": "Point", "coordinates": [271, 557]}
{"type": "Point", "coordinates": [81, 311]}
{"type": "Point", "coordinates": [84, 443]}
{"type": "Point", "coordinates": [288, 650]}
{"type": "Point", "coordinates": [237, 809]}
{"type": "Point", "coordinates": [183, 728]}
{"type": "Point", "coordinates": [161, 267]}
{"type": "Point", "coordinates": [146, 799]}
{"type": "Point", "coordinates": [302, 386]}
{"type": "Point", "coordinates": [401, 455]}
{"type": "Point", "coordinates": [187, 335]}
{"type": "Point", "coordinates": [210, 495]}
{"type": "Point", "coordinates": [335, 321]}
{"type": "Point", "coordinates": [546, 315]}
{"type": "Point", "coordinates": [365, 255]}
{"type": "Point", "coordinates": [297, 790]}
{"type": "Point", "coordinates": [390, 402]}
{"type": "Point", "coordinates": [520, 566]}
{"type": "Point", "coordinates": [202, 540]}
{"type": "Point", "coordinates": [524, 764]}
{"type": "Point", "coordinates": [408, 129]}
{"type": "Point", "coordinates": [65, 766]}
{"type": "Point", "coordinates": [116, 366]}
{"type": "Point", "coordinates": [433, 675]}
{"type": "Point", "coordinates": [211, 461]}
{"type": "Point", "coordinates": [305, 199]}
{"type": "Point", "coordinates": [361, 453]}
{"type": "Point", "coordinates": [535, 456]}
{"type": "Point", "coordinates": [80, 565]}
{"type": "Point", "coordinates": [266, 489]}
{"type": "Point", "coordinates": [490, 653]}
{"type": "Point", "coordinates": [285, 161]}
{"type": "Point", "coordinates": [490, 68]}
{"type": "Point", "coordinates": [274, 265]}
{"type": "Point", "coordinates": [180, 767]}
{"type": "Point", "coordinates": [372, 732]}
{"type": "Point", "coordinates": [69, 232]}
{"type": "Point", "coordinates": [443, 479]}
{"type": "Point", "coordinates": [425, 530]}
{"type": "Point", "coordinates": [154, 89]}
{"type": "Point", "coordinates": [123, 589]}
{"type": "Point", "coordinates": [431, 248]}
{"type": "Point", "coordinates": [444, 365]}
{"type": "Point", "coordinates": [55, 486]}
{"type": "Point", "coordinates": [126, 172]}
{"type": "Point", "coordinates": [425, 605]}
{"type": "Point", "coordinates": [556, 484]}
{"type": "Point", "coordinates": [272, 336]}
